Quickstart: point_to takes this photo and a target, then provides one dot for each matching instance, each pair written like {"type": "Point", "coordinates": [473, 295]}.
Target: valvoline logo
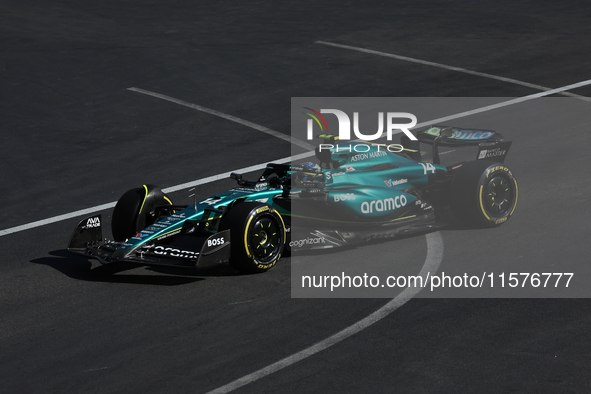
{"type": "Point", "coordinates": [391, 182]}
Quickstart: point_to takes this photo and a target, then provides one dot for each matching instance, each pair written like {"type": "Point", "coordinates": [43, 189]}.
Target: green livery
{"type": "Point", "coordinates": [357, 191]}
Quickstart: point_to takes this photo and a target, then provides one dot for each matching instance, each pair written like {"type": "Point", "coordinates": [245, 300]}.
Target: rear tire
{"type": "Point", "coordinates": [483, 193]}
{"type": "Point", "coordinates": [135, 211]}
{"type": "Point", "coordinates": [257, 235]}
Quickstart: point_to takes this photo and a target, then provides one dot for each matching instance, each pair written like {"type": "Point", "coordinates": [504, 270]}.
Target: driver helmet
{"type": "Point", "coordinates": [303, 177]}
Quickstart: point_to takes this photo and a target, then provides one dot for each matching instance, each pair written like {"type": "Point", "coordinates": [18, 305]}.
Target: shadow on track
{"type": "Point", "coordinates": [80, 268]}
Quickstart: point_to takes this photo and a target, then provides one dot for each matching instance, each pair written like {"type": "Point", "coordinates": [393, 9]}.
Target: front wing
{"type": "Point", "coordinates": [196, 251]}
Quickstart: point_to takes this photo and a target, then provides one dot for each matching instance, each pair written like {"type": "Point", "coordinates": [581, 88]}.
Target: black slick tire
{"type": "Point", "coordinates": [134, 211]}
{"type": "Point", "coordinates": [257, 234]}
{"type": "Point", "coordinates": [483, 193]}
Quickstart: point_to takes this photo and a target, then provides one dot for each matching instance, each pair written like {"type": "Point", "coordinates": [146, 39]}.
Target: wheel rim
{"type": "Point", "coordinates": [265, 239]}
{"type": "Point", "coordinates": [499, 196]}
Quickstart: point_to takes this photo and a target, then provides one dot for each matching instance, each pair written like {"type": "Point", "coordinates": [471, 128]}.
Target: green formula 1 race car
{"type": "Point", "coordinates": [356, 193]}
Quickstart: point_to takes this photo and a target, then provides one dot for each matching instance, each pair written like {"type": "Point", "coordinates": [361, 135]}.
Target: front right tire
{"type": "Point", "coordinates": [257, 234]}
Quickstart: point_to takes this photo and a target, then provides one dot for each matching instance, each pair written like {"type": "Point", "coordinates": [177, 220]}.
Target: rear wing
{"type": "Point", "coordinates": [491, 144]}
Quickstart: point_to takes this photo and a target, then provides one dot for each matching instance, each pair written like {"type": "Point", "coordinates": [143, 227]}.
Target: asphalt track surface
{"type": "Point", "coordinates": [74, 136]}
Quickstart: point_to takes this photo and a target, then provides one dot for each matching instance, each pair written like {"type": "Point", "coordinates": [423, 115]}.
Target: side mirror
{"type": "Point", "coordinates": [446, 132]}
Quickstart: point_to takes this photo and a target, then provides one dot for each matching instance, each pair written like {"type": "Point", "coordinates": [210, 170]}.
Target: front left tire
{"type": "Point", "coordinates": [135, 210]}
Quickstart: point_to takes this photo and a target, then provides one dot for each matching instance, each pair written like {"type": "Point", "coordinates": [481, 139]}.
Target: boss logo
{"type": "Point", "coordinates": [215, 241]}
{"type": "Point", "coordinates": [344, 197]}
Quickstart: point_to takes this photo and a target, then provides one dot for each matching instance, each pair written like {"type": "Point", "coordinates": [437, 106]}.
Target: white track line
{"type": "Point", "coordinates": [54, 219]}
{"type": "Point", "coordinates": [232, 118]}
{"type": "Point", "coordinates": [431, 265]}
{"type": "Point", "coordinates": [503, 104]}
{"type": "Point", "coordinates": [287, 159]}
{"type": "Point", "coordinates": [171, 189]}
{"type": "Point", "coordinates": [448, 67]}
{"type": "Point", "coordinates": [432, 262]}
{"type": "Point", "coordinates": [226, 175]}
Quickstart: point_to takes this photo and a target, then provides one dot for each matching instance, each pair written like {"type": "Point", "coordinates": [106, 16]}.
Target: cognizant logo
{"type": "Point", "coordinates": [345, 124]}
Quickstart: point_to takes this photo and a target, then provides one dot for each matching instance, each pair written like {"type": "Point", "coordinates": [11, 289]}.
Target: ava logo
{"type": "Point", "coordinates": [93, 222]}
{"type": "Point", "coordinates": [345, 124]}
{"type": "Point", "coordinates": [387, 204]}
